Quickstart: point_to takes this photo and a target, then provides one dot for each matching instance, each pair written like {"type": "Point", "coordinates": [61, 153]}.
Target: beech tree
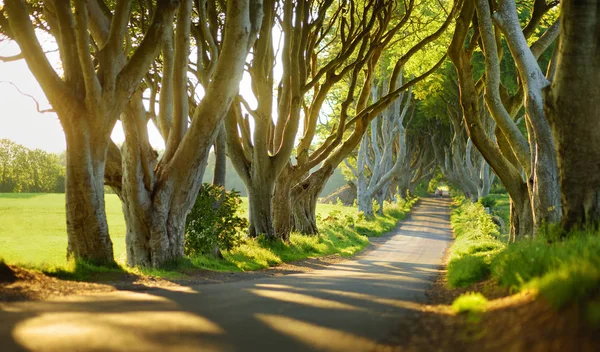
{"type": "Point", "coordinates": [573, 107]}
{"type": "Point", "coordinates": [102, 84]}
{"type": "Point", "coordinates": [158, 193]}
{"type": "Point", "coordinates": [534, 198]}
{"type": "Point", "coordinates": [382, 152]}
{"type": "Point", "coordinates": [89, 95]}
{"type": "Point", "coordinates": [327, 46]}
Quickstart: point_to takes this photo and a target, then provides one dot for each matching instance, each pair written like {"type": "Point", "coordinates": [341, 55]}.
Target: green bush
{"type": "Point", "coordinates": [487, 201]}
{"type": "Point", "coordinates": [466, 270]}
{"type": "Point", "coordinates": [213, 221]}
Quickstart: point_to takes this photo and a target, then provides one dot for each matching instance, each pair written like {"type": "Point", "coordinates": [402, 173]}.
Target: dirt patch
{"type": "Point", "coordinates": [32, 285]}
{"type": "Point", "coordinates": [519, 322]}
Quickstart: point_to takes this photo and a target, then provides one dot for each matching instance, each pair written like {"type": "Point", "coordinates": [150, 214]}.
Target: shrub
{"type": "Point", "coordinates": [487, 201]}
{"type": "Point", "coordinates": [213, 221]}
{"type": "Point", "coordinates": [476, 244]}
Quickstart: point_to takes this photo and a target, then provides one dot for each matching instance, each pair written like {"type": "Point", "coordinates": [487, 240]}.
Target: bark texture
{"type": "Point", "coordinates": [573, 107]}
{"type": "Point", "coordinates": [88, 98]}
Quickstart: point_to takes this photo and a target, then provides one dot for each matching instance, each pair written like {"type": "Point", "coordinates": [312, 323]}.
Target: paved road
{"type": "Point", "coordinates": [348, 306]}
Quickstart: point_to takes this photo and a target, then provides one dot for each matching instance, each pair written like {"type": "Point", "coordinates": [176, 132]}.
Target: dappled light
{"type": "Point", "coordinates": [347, 305]}
{"type": "Point", "coordinates": [318, 337]}
{"type": "Point", "coordinates": [299, 175]}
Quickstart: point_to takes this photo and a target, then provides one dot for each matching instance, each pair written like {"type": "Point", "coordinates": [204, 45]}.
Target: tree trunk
{"type": "Point", "coordinates": [365, 204]}
{"type": "Point", "coordinates": [260, 211]}
{"type": "Point", "coordinates": [282, 206]}
{"type": "Point", "coordinates": [87, 229]}
{"type": "Point", "coordinates": [521, 218]}
{"type": "Point", "coordinates": [220, 145]}
{"type": "Point", "coordinates": [305, 214]}
{"type": "Point", "coordinates": [155, 235]}
{"type": "Point", "coordinates": [380, 197]}
{"type": "Point", "coordinates": [304, 199]}
{"type": "Point", "coordinates": [573, 108]}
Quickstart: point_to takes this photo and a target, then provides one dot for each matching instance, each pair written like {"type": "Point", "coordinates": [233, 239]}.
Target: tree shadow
{"type": "Point", "coordinates": [346, 306]}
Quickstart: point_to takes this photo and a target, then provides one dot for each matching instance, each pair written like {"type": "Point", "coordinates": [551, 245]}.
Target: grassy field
{"type": "Point", "coordinates": [33, 229]}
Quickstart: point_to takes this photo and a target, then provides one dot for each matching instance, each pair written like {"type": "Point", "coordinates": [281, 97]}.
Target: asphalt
{"type": "Point", "coordinates": [349, 306]}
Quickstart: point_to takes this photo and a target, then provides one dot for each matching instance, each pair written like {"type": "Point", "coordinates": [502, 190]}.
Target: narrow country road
{"type": "Point", "coordinates": [348, 306]}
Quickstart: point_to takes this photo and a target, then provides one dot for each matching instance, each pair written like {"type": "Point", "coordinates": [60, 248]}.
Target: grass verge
{"type": "Point", "coordinates": [341, 233]}
{"type": "Point", "coordinates": [563, 271]}
{"type": "Point", "coordinates": [476, 243]}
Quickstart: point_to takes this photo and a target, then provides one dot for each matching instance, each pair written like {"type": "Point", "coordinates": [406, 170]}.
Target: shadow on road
{"type": "Point", "coordinates": [348, 306]}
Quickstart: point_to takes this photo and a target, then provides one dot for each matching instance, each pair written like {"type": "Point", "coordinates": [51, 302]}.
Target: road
{"type": "Point", "coordinates": [348, 306]}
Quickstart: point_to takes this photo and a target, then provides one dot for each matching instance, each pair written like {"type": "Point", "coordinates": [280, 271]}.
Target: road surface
{"type": "Point", "coordinates": [348, 306]}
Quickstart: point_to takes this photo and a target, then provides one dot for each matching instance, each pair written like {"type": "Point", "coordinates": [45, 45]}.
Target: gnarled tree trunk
{"type": "Point", "coordinates": [87, 229]}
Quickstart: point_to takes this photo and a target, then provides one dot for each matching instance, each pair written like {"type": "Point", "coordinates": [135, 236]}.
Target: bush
{"type": "Point", "coordinates": [487, 201]}
{"type": "Point", "coordinates": [213, 222]}
{"type": "Point", "coordinates": [466, 270]}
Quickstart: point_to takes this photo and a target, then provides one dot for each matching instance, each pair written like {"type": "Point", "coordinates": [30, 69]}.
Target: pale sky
{"type": "Point", "coordinates": [22, 123]}
{"type": "Point", "coordinates": [19, 119]}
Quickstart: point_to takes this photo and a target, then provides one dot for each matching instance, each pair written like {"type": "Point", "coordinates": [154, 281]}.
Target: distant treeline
{"type": "Point", "coordinates": [23, 170]}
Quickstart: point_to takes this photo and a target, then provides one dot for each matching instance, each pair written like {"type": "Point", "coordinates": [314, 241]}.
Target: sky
{"type": "Point", "coordinates": [20, 120]}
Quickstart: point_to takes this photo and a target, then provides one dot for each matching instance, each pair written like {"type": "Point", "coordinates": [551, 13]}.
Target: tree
{"type": "Point", "coordinates": [96, 84]}
{"type": "Point", "coordinates": [572, 106]}
{"type": "Point", "coordinates": [102, 76]}
{"type": "Point", "coordinates": [159, 193]}
{"type": "Point", "coordinates": [330, 46]}
{"type": "Point", "coordinates": [533, 198]}
{"type": "Point", "coordinates": [382, 152]}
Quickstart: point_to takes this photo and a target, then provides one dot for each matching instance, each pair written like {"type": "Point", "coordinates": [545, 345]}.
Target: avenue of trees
{"type": "Point", "coordinates": [364, 83]}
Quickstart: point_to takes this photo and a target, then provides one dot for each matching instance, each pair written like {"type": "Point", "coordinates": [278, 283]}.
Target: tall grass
{"type": "Point", "coordinates": [476, 242]}
{"type": "Point", "coordinates": [562, 271]}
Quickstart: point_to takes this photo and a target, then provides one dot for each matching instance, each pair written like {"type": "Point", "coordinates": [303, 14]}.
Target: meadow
{"type": "Point", "coordinates": [33, 227]}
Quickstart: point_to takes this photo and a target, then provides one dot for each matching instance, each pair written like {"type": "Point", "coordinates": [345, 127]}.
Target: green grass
{"type": "Point", "coordinates": [33, 229]}
{"type": "Point", "coordinates": [473, 302]}
{"type": "Point", "coordinates": [562, 271]}
{"type": "Point", "coordinates": [476, 243]}
{"type": "Point", "coordinates": [34, 235]}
